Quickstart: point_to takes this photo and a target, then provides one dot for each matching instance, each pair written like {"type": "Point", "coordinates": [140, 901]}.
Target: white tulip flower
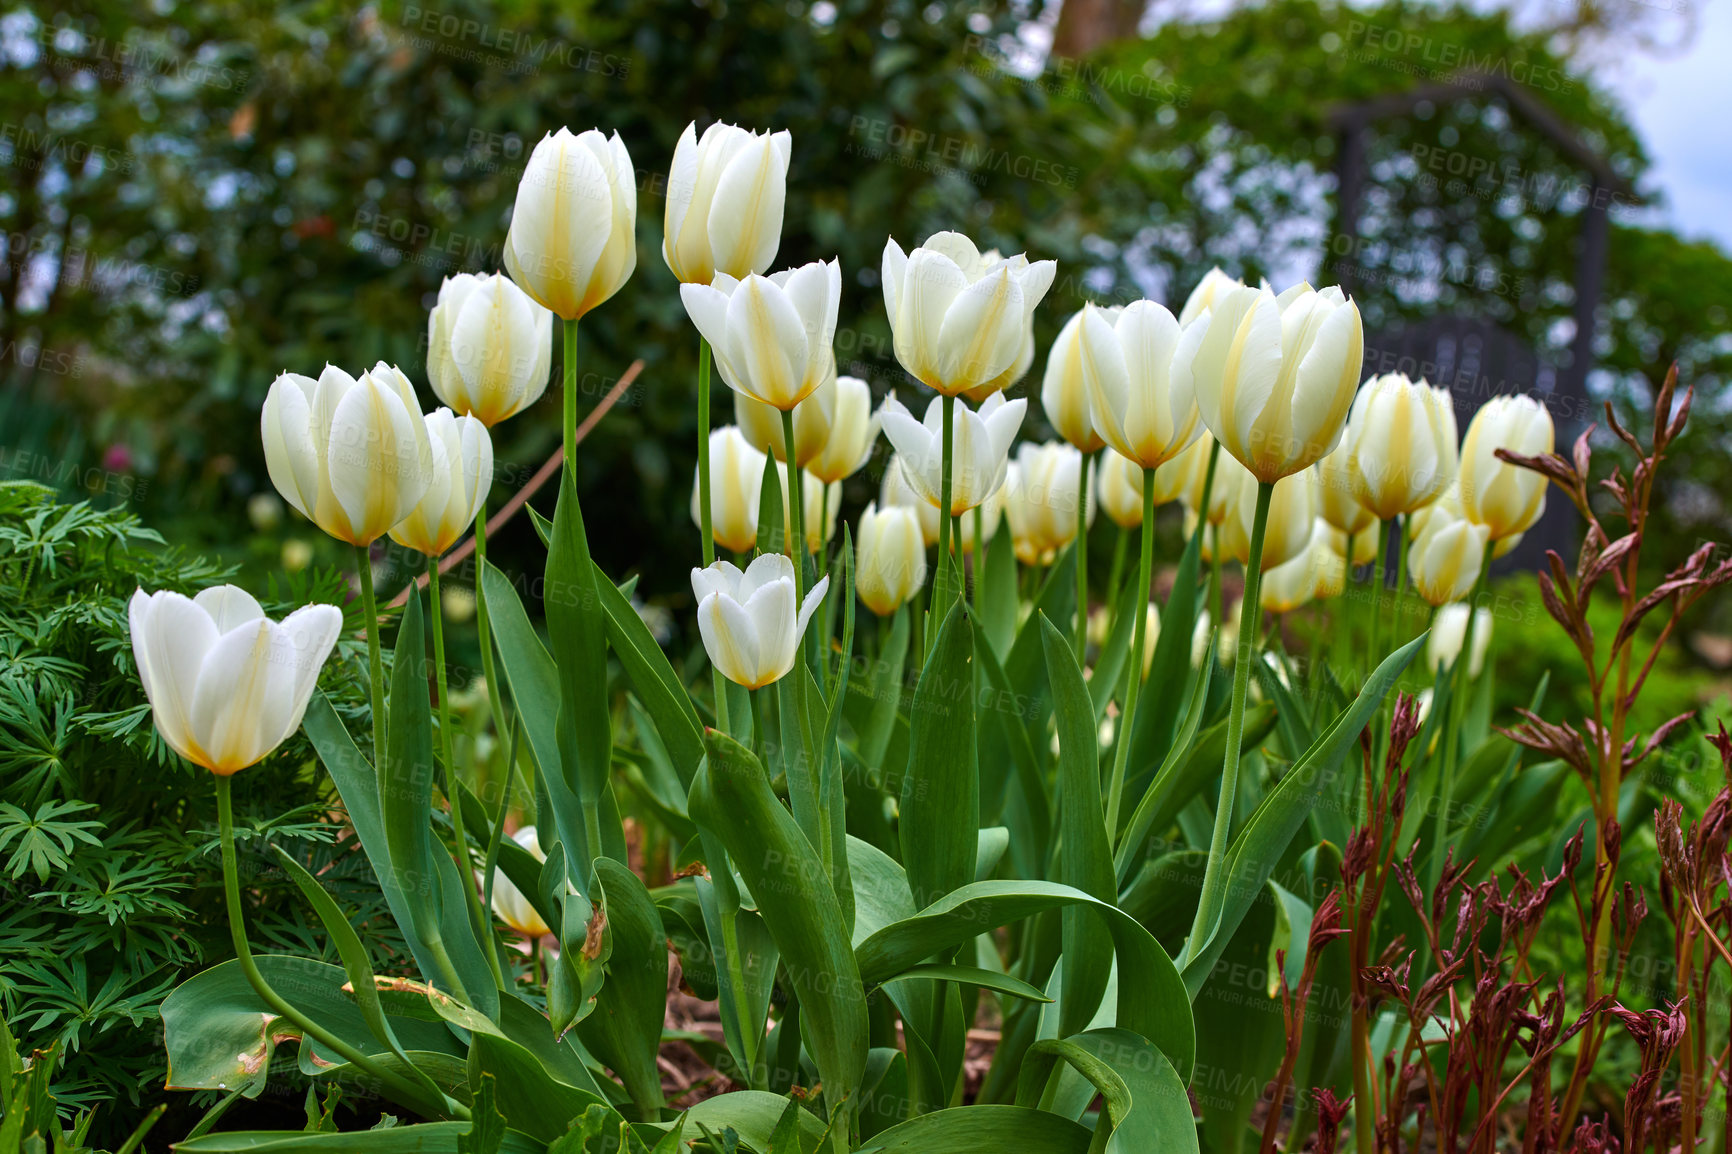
{"type": "Point", "coordinates": [818, 513]}
{"type": "Point", "coordinates": [1064, 393]}
{"type": "Point", "coordinates": [1449, 631]}
{"type": "Point", "coordinates": [890, 558]}
{"type": "Point", "coordinates": [1041, 492]}
{"type": "Point", "coordinates": [1337, 503]}
{"type": "Point", "coordinates": [726, 191]}
{"type": "Point", "coordinates": [960, 318]}
{"type": "Point", "coordinates": [489, 347]}
{"type": "Point", "coordinates": [1400, 444]}
{"type": "Point", "coordinates": [462, 477]}
{"type": "Point", "coordinates": [772, 335]}
{"type": "Point", "coordinates": [352, 456]}
{"type": "Point", "coordinates": [1118, 487]}
{"type": "Point", "coordinates": [1444, 562]}
{"type": "Point", "coordinates": [1507, 499]}
{"type": "Point", "coordinates": [749, 622]}
{"type": "Point", "coordinates": [736, 482]}
{"type": "Point", "coordinates": [1138, 369]}
{"type": "Point", "coordinates": [1213, 285]}
{"type": "Point", "coordinates": [980, 447]}
{"type": "Point", "coordinates": [895, 492]}
{"type": "Point", "coordinates": [509, 904]}
{"type": "Point", "coordinates": [226, 684]}
{"type": "Point", "coordinates": [573, 236]}
{"type": "Point", "coordinates": [1275, 375]}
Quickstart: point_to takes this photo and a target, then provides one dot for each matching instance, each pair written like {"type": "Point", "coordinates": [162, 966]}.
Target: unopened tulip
{"type": "Point", "coordinates": [1202, 298]}
{"type": "Point", "coordinates": [1138, 371]}
{"type": "Point", "coordinates": [1064, 394]}
{"type": "Point", "coordinates": [1275, 375]}
{"type": "Point", "coordinates": [1400, 445]}
{"type": "Point", "coordinates": [1041, 494]}
{"type": "Point", "coordinates": [890, 558]}
{"type": "Point", "coordinates": [726, 191]}
{"type": "Point", "coordinates": [773, 335]}
{"type": "Point", "coordinates": [736, 480]}
{"type": "Point", "coordinates": [896, 492]}
{"type": "Point", "coordinates": [960, 319]}
{"type": "Point", "coordinates": [352, 456]}
{"type": "Point", "coordinates": [1445, 560]}
{"type": "Point", "coordinates": [226, 684]}
{"type": "Point", "coordinates": [489, 347]}
{"type": "Point", "coordinates": [818, 510]}
{"type": "Point", "coordinates": [1118, 487]}
{"type": "Point", "coordinates": [1024, 358]}
{"type": "Point", "coordinates": [1336, 501]}
{"type": "Point", "coordinates": [573, 236]}
{"type": "Point", "coordinates": [1505, 498]}
{"type": "Point", "coordinates": [1449, 630]}
{"type": "Point", "coordinates": [854, 429]}
{"type": "Point", "coordinates": [750, 624]}
{"type": "Point", "coordinates": [980, 447]}
{"type": "Point", "coordinates": [1291, 508]}
{"type": "Point", "coordinates": [509, 903]}
{"type": "Point", "coordinates": [462, 476]}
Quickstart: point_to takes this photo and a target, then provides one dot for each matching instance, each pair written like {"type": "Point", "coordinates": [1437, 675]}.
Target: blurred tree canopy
{"type": "Point", "coordinates": [196, 196]}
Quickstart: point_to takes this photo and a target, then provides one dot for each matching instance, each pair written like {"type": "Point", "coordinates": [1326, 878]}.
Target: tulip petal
{"type": "Point", "coordinates": [770, 608]}
{"type": "Point", "coordinates": [982, 330]}
{"type": "Point", "coordinates": [745, 217]}
{"type": "Point", "coordinates": [929, 285]}
{"type": "Point", "coordinates": [229, 606]}
{"type": "Point", "coordinates": [291, 453]}
{"type": "Point", "coordinates": [170, 637]}
{"type": "Point", "coordinates": [308, 635]}
{"type": "Point", "coordinates": [730, 639]}
{"type": "Point", "coordinates": [243, 696]}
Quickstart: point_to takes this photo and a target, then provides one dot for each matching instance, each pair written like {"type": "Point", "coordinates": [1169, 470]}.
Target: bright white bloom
{"type": "Point", "coordinates": [353, 456]}
{"type": "Point", "coordinates": [980, 447]}
{"type": "Point", "coordinates": [1203, 297]}
{"type": "Point", "coordinates": [890, 558]}
{"type": "Point", "coordinates": [726, 191]}
{"type": "Point", "coordinates": [573, 236]}
{"type": "Point", "coordinates": [509, 903]}
{"type": "Point", "coordinates": [1445, 560]}
{"type": "Point", "coordinates": [1064, 394]}
{"type": "Point", "coordinates": [895, 492]}
{"type": "Point", "coordinates": [1505, 498]}
{"type": "Point", "coordinates": [960, 318]}
{"type": "Point", "coordinates": [1336, 501]}
{"type": "Point", "coordinates": [736, 481]}
{"type": "Point", "coordinates": [462, 476]}
{"type": "Point", "coordinates": [1317, 572]}
{"type": "Point", "coordinates": [749, 622]}
{"type": "Point", "coordinates": [1400, 444]}
{"type": "Point", "coordinates": [1138, 370]}
{"type": "Point", "coordinates": [489, 347]}
{"type": "Point", "coordinates": [1118, 487]}
{"type": "Point", "coordinates": [1449, 630]}
{"type": "Point", "coordinates": [1288, 531]}
{"type": "Point", "coordinates": [226, 684]}
{"type": "Point", "coordinates": [1041, 493]}
{"type": "Point", "coordinates": [773, 335]}
{"type": "Point", "coordinates": [833, 428]}
{"type": "Point", "coordinates": [1275, 375]}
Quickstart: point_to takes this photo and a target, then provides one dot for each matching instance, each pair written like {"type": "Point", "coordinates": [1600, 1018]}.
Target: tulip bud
{"type": "Point", "coordinates": [1336, 501]}
{"type": "Point", "coordinates": [1138, 372]}
{"type": "Point", "coordinates": [462, 477]}
{"type": "Point", "coordinates": [980, 447]}
{"type": "Point", "coordinates": [749, 622]}
{"type": "Point", "coordinates": [890, 558]}
{"type": "Point", "coordinates": [352, 456]}
{"type": "Point", "coordinates": [818, 509]}
{"type": "Point", "coordinates": [959, 319]}
{"type": "Point", "coordinates": [1275, 375]}
{"type": "Point", "coordinates": [509, 903]}
{"type": "Point", "coordinates": [1505, 498]}
{"type": "Point", "coordinates": [1291, 508]}
{"type": "Point", "coordinates": [1064, 394]}
{"type": "Point", "coordinates": [772, 336]}
{"type": "Point", "coordinates": [573, 236]}
{"type": "Point", "coordinates": [1118, 486]}
{"type": "Point", "coordinates": [1041, 493]}
{"type": "Point", "coordinates": [1449, 630]}
{"type": "Point", "coordinates": [1445, 560]}
{"type": "Point", "coordinates": [489, 347]}
{"type": "Point", "coordinates": [736, 480]}
{"type": "Point", "coordinates": [226, 684]}
{"type": "Point", "coordinates": [726, 192]}
{"type": "Point", "coordinates": [1400, 445]}
{"type": "Point", "coordinates": [1203, 297]}
{"type": "Point", "coordinates": [897, 493]}
{"type": "Point", "coordinates": [854, 429]}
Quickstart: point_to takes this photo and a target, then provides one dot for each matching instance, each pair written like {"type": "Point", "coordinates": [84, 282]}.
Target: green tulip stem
{"type": "Point", "coordinates": [1140, 626]}
{"type": "Point", "coordinates": [706, 525]}
{"type": "Point", "coordinates": [1377, 579]}
{"type": "Point", "coordinates": [460, 849]}
{"type": "Point", "coordinates": [949, 407]}
{"type": "Point", "coordinates": [1250, 607]}
{"type": "Point", "coordinates": [375, 664]}
{"type": "Point", "coordinates": [570, 367]}
{"type": "Point", "coordinates": [1460, 673]}
{"type": "Point", "coordinates": [978, 560]}
{"type": "Point", "coordinates": [412, 1091]}
{"type": "Point", "coordinates": [1116, 574]}
{"type": "Point", "coordinates": [484, 628]}
{"type": "Point", "coordinates": [1214, 535]}
{"type": "Point", "coordinates": [796, 501]}
{"type": "Point", "coordinates": [1401, 632]}
{"type": "Point", "coordinates": [1343, 641]}
{"type": "Point", "coordinates": [1082, 559]}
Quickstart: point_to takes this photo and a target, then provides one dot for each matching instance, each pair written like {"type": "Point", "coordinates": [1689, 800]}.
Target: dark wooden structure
{"type": "Point", "coordinates": [1474, 356]}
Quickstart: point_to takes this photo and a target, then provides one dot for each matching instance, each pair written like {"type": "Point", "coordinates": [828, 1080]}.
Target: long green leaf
{"type": "Point", "coordinates": [973, 976]}
{"type": "Point", "coordinates": [941, 791]}
{"type": "Point", "coordinates": [731, 798]}
{"type": "Point", "coordinates": [658, 687]}
{"type": "Point", "coordinates": [577, 638]}
{"type": "Point", "coordinates": [421, 1138]}
{"type": "Point", "coordinates": [625, 1031]}
{"type": "Point", "coordinates": [1147, 1109]}
{"type": "Point", "coordinates": [1008, 1128]}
